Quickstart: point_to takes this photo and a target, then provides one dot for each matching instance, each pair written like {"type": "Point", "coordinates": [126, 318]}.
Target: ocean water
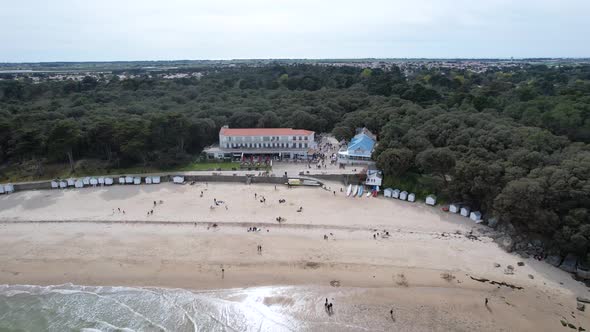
{"type": "Point", "coordinates": [89, 308]}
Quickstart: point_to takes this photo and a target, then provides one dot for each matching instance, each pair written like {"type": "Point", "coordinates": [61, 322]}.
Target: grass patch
{"type": "Point", "coordinates": [208, 166]}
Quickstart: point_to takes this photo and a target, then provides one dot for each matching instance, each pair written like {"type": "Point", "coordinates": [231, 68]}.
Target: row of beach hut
{"type": "Point", "coordinates": [465, 211]}
{"type": "Point", "coordinates": [6, 188]}
{"type": "Point", "coordinates": [402, 195]}
{"type": "Point", "coordinates": [102, 181]}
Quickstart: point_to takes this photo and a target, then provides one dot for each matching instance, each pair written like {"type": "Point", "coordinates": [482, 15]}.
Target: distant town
{"type": "Point", "coordinates": [77, 71]}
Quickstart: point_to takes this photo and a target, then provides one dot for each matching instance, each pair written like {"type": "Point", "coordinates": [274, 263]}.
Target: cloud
{"type": "Point", "coordinates": [69, 30]}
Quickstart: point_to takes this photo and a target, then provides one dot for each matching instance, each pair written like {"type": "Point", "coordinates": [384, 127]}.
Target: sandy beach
{"type": "Point", "coordinates": [424, 269]}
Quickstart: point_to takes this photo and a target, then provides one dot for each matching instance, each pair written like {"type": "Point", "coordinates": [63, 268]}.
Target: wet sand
{"type": "Point", "coordinates": [365, 276]}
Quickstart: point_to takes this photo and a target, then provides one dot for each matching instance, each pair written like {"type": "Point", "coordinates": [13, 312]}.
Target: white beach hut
{"type": "Point", "coordinates": [63, 184]}
{"type": "Point", "coordinates": [403, 195]}
{"type": "Point", "coordinates": [108, 181]}
{"type": "Point", "coordinates": [431, 200]}
{"type": "Point", "coordinates": [101, 181]}
{"type": "Point", "coordinates": [122, 180]}
{"type": "Point", "coordinates": [465, 211]}
{"type": "Point", "coordinates": [395, 193]}
{"type": "Point", "coordinates": [79, 184]}
{"type": "Point", "coordinates": [454, 208]}
{"type": "Point", "coordinates": [86, 181]}
{"type": "Point", "coordinates": [93, 182]}
{"type": "Point", "coordinates": [71, 182]}
{"type": "Point", "coordinates": [387, 192]}
{"type": "Point", "coordinates": [178, 179]}
{"type": "Point", "coordinates": [155, 179]}
{"type": "Point", "coordinates": [137, 180]}
{"type": "Point", "coordinates": [54, 185]}
{"type": "Point", "coordinates": [475, 216]}
{"type": "Point", "coordinates": [128, 179]}
{"type": "Point", "coordinates": [411, 197]}
{"type": "Point", "coordinates": [8, 188]}
{"type": "Point", "coordinates": [148, 180]}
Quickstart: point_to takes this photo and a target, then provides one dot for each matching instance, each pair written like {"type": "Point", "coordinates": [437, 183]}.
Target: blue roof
{"type": "Point", "coordinates": [361, 144]}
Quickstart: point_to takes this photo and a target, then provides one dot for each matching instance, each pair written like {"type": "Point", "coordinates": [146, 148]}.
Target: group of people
{"type": "Point", "coordinates": [383, 234]}
{"type": "Point", "coordinates": [262, 198]}
{"type": "Point", "coordinates": [329, 307]}
{"type": "Point", "coordinates": [217, 203]}
{"type": "Point", "coordinates": [259, 249]}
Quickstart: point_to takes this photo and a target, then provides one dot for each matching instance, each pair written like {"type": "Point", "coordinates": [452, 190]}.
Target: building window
{"type": "Point", "coordinates": [294, 138]}
{"type": "Point", "coordinates": [306, 137]}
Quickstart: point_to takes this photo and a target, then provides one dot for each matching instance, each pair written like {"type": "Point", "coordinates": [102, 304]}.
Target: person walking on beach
{"type": "Point", "coordinates": [486, 301]}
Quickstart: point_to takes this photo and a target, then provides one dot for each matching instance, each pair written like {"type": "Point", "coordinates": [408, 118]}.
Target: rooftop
{"type": "Point", "coordinates": [264, 132]}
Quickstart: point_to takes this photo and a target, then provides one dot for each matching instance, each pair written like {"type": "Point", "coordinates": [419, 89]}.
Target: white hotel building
{"type": "Point", "coordinates": [271, 142]}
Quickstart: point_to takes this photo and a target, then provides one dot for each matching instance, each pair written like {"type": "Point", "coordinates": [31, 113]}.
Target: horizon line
{"type": "Point", "coordinates": [305, 59]}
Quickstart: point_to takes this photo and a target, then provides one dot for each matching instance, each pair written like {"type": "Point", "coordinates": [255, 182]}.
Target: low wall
{"type": "Point", "coordinates": [37, 185]}
{"type": "Point", "coordinates": [346, 179]}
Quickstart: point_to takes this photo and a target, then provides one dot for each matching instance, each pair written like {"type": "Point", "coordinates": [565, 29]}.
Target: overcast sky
{"type": "Point", "coordinates": [88, 30]}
